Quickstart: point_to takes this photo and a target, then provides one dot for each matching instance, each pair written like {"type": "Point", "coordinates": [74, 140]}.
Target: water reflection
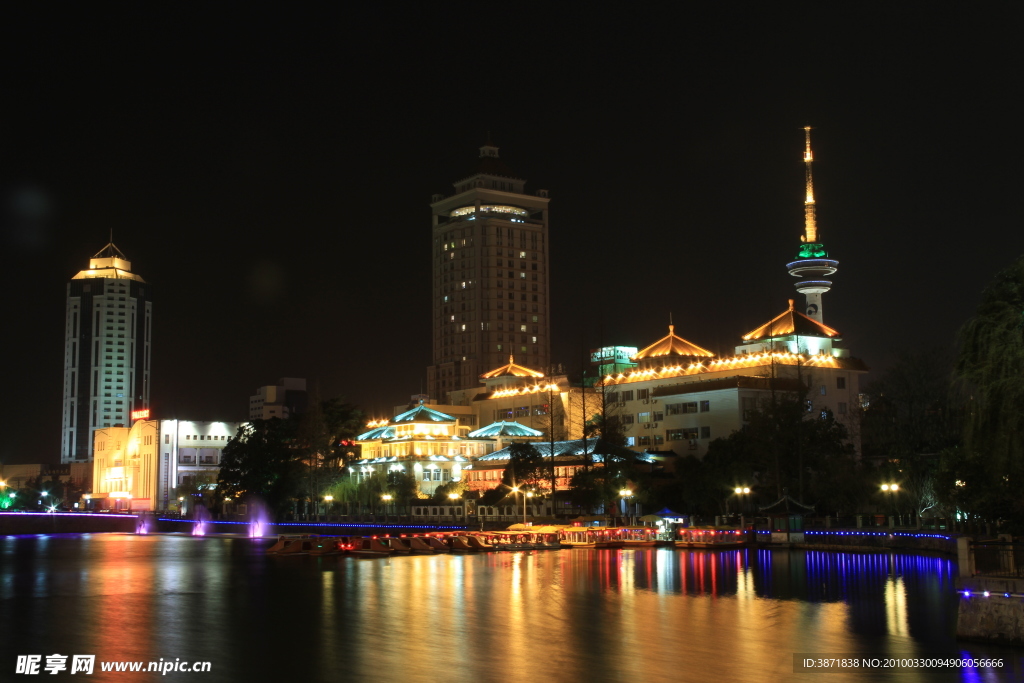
{"type": "Point", "coordinates": [592, 615]}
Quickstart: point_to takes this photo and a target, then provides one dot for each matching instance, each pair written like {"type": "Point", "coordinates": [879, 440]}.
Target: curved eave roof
{"type": "Point", "coordinates": [672, 345]}
{"type": "Point", "coordinates": [511, 370]}
{"type": "Point", "coordinates": [791, 323]}
{"type": "Point", "coordinates": [503, 428]}
{"type": "Point", "coordinates": [386, 432]}
{"type": "Point", "coordinates": [422, 413]}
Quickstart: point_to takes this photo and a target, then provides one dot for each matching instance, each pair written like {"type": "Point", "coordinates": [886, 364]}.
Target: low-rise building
{"type": "Point", "coordinates": [140, 467]}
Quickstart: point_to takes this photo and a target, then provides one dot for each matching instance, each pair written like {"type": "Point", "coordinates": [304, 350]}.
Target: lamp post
{"type": "Point", "coordinates": [742, 491]}
{"type": "Point", "coordinates": [181, 506]}
{"type": "Point", "coordinates": [453, 497]}
{"type": "Point", "coordinates": [328, 499]}
{"type": "Point", "coordinates": [529, 494]}
{"type": "Point", "coordinates": [890, 490]}
{"type": "Point", "coordinates": [387, 501]}
{"type": "Point", "coordinates": [623, 495]}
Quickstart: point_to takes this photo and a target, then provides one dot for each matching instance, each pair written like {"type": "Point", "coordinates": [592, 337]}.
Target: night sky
{"type": "Point", "coordinates": [268, 170]}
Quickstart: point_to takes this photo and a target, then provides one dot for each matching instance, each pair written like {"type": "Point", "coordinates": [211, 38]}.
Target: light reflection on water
{"type": "Point", "coordinates": [580, 615]}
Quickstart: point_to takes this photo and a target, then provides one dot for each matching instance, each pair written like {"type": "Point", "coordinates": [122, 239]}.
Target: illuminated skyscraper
{"type": "Point", "coordinates": [490, 277]}
{"type": "Point", "coordinates": [812, 264]}
{"type": "Point", "coordinates": [107, 338]}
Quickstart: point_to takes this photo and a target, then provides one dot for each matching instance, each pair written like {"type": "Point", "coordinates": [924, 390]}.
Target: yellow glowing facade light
{"type": "Point", "coordinates": [377, 423]}
{"type": "Point", "coordinates": [523, 391]}
{"type": "Point", "coordinates": [749, 360]}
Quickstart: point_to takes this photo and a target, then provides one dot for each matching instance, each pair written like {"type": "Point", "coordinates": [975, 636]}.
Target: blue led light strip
{"type": "Point", "coordinates": [72, 514]}
{"type": "Point", "coordinates": [988, 594]}
{"type": "Point", "coordinates": [878, 533]}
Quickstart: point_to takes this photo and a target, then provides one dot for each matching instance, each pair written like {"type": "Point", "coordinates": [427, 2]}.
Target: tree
{"type": "Point", "coordinates": [525, 466]}
{"type": "Point", "coordinates": [911, 408]}
{"type": "Point", "coordinates": [990, 369]}
{"type": "Point", "coordinates": [783, 447]}
{"type": "Point", "coordinates": [260, 463]}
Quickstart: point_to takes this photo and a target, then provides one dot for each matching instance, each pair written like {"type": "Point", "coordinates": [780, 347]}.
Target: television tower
{"type": "Point", "coordinates": [812, 265]}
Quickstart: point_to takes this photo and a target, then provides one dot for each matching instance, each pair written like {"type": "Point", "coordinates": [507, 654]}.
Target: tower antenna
{"type": "Point", "coordinates": [810, 224]}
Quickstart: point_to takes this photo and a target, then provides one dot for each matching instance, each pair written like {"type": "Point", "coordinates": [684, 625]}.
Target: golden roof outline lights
{"type": "Point", "coordinates": [512, 370]}
{"type": "Point", "coordinates": [748, 360]}
{"type": "Point", "coordinates": [789, 323]}
{"type": "Point", "coordinates": [523, 391]}
{"type": "Point", "coordinates": [672, 345]}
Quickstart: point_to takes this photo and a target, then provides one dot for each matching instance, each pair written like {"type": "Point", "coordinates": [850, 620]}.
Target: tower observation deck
{"type": "Point", "coordinates": [813, 264]}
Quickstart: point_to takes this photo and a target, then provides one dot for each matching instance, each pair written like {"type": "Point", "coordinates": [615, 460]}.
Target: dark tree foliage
{"type": "Point", "coordinates": [260, 463]}
{"type": "Point", "coordinates": [782, 448]}
{"type": "Point", "coordinates": [525, 466]}
{"type": "Point", "coordinates": [617, 468]}
{"type": "Point", "coordinates": [911, 409]}
{"type": "Point", "coordinates": [990, 369]}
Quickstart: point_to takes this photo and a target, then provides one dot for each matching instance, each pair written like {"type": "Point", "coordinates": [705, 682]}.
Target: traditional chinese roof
{"type": "Point", "coordinates": [385, 432]}
{"type": "Point", "coordinates": [422, 413]}
{"type": "Point", "coordinates": [791, 323]}
{"type": "Point", "coordinates": [571, 450]}
{"type": "Point", "coordinates": [511, 370]}
{"type": "Point", "coordinates": [672, 345]}
{"type": "Point", "coordinates": [503, 428]}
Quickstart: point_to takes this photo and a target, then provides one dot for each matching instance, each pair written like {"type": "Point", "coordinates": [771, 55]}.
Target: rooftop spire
{"type": "Point", "coordinates": [810, 225]}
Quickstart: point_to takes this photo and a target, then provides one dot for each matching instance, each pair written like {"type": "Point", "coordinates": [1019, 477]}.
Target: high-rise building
{"type": "Point", "coordinates": [107, 349]}
{"type": "Point", "coordinates": [282, 400]}
{"type": "Point", "coordinates": [490, 277]}
{"type": "Point", "coordinates": [813, 264]}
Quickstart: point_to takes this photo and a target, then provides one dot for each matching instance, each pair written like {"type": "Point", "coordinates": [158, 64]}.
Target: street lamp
{"type": "Point", "coordinates": [529, 494]}
{"type": "Point", "coordinates": [328, 499]}
{"type": "Point", "coordinates": [181, 506]}
{"type": "Point", "coordinates": [890, 490]}
{"type": "Point", "coordinates": [742, 491]}
{"type": "Point", "coordinates": [387, 501]}
{"type": "Point", "coordinates": [624, 494]}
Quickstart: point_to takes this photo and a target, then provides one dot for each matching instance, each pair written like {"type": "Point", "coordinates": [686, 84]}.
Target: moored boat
{"type": "Point", "coordinates": [710, 539]}
{"type": "Point", "coordinates": [299, 544]}
{"type": "Point", "coordinates": [419, 545]}
{"type": "Point", "coordinates": [370, 546]}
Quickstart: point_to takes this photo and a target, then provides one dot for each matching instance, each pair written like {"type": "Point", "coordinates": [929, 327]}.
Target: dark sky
{"type": "Point", "coordinates": [268, 170]}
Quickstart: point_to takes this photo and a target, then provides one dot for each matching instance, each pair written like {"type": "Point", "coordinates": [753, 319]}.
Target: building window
{"type": "Point", "coordinates": [705, 406]}
{"type": "Point", "coordinates": [840, 382]}
{"type": "Point", "coordinates": [657, 416]}
{"type": "Point", "coordinates": [627, 419]}
{"type": "Point", "coordinates": [643, 394]}
{"type": "Point", "coordinates": [705, 432]}
{"type": "Point", "coordinates": [842, 408]}
{"type": "Point", "coordinates": [822, 389]}
{"type": "Point", "coordinates": [643, 418]}
{"type": "Point", "coordinates": [680, 408]}
{"type": "Point", "coordinates": [659, 440]}
{"type": "Point", "coordinates": [627, 395]}
{"type": "Point", "coordinates": [645, 440]}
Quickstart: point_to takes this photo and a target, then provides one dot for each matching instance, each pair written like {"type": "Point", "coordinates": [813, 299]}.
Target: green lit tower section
{"type": "Point", "coordinates": [813, 264]}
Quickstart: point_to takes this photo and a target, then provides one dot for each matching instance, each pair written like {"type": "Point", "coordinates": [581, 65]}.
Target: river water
{"type": "Point", "coordinates": [570, 615]}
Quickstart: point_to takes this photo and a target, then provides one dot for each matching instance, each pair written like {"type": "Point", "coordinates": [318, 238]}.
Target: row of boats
{"type": "Point", "coordinates": [552, 537]}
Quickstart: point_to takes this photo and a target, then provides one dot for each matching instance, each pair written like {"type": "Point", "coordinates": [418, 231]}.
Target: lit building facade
{"type": "Point", "coordinates": [490, 293]}
{"type": "Point", "coordinates": [139, 467]}
{"type": "Point", "coordinates": [107, 350]}
{"type": "Point", "coordinates": [680, 397]}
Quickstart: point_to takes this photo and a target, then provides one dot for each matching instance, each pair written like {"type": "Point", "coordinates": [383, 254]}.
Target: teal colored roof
{"type": "Point", "coordinates": [422, 413]}
{"type": "Point", "coordinates": [385, 432]}
{"type": "Point", "coordinates": [504, 429]}
{"type": "Point", "coordinates": [568, 450]}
